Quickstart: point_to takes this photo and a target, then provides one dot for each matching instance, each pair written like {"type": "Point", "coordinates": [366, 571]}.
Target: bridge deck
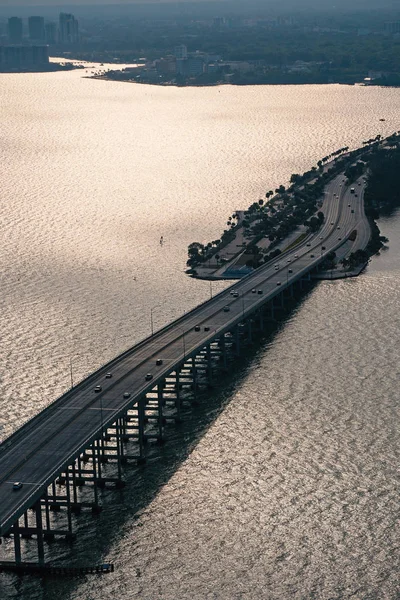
{"type": "Point", "coordinates": [38, 452]}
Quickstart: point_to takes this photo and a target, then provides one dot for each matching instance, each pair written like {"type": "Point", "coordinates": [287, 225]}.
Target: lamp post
{"type": "Point", "coordinates": [70, 370]}
{"type": "Point", "coordinates": [183, 342]}
{"type": "Point", "coordinates": [151, 318]}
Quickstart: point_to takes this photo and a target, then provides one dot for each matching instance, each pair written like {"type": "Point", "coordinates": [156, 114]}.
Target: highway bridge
{"type": "Point", "coordinates": [111, 416]}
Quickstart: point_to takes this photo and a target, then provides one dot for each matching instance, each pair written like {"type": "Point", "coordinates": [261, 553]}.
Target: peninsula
{"type": "Point", "coordinates": [360, 184]}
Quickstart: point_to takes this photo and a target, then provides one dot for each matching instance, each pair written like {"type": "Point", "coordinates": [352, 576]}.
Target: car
{"type": "Point", "coordinates": [340, 239]}
{"type": "Point", "coordinates": [338, 228]}
{"type": "Point", "coordinates": [290, 271]}
{"type": "Point", "coordinates": [349, 205]}
{"type": "Point", "coordinates": [253, 291]}
{"type": "Point", "coordinates": [312, 256]}
{"type": "Point", "coordinates": [259, 291]}
{"type": "Point", "coordinates": [352, 211]}
{"type": "Point", "coordinates": [97, 388]}
{"type": "Point", "coordinates": [356, 195]}
{"type": "Point", "coordinates": [332, 223]}
{"type": "Point", "coordinates": [236, 294]}
{"type": "Point", "coordinates": [206, 328]}
{"type": "Point", "coordinates": [359, 183]}
{"type": "Point", "coordinates": [148, 377]}
{"type": "Point", "coordinates": [197, 328]}
{"type": "Point", "coordinates": [321, 237]}
{"type": "Point", "coordinates": [288, 260]}
{"type": "Point", "coordinates": [108, 375]}
{"type": "Point", "coordinates": [276, 268]}
{"type": "Point", "coordinates": [228, 308]}
{"type": "Point", "coordinates": [308, 245]}
{"type": "Point", "coordinates": [296, 256]}
{"type": "Point", "coordinates": [159, 361]}
{"type": "Point", "coordinates": [278, 283]}
{"type": "Point", "coordinates": [17, 485]}
{"type": "Point", "coordinates": [127, 395]}
{"type": "Point", "coordinates": [323, 248]}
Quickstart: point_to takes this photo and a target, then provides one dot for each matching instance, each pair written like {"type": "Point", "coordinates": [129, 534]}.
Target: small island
{"type": "Point", "coordinates": [289, 216]}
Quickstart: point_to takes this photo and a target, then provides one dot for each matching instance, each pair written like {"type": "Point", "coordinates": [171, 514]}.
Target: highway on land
{"type": "Point", "coordinates": [44, 446]}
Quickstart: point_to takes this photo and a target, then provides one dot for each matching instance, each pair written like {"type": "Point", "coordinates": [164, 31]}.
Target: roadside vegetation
{"type": "Point", "coordinates": [298, 205]}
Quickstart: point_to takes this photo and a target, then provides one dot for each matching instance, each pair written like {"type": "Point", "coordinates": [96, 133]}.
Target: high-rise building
{"type": "Point", "coordinates": [68, 32]}
{"type": "Point", "coordinates": [180, 52]}
{"type": "Point", "coordinates": [51, 33]}
{"type": "Point", "coordinates": [16, 58]}
{"type": "Point", "coordinates": [36, 29]}
{"type": "Point", "coordinates": [392, 27]}
{"type": "Point", "coordinates": [15, 30]}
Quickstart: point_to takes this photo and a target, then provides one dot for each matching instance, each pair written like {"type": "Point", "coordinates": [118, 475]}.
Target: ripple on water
{"type": "Point", "coordinates": [290, 491]}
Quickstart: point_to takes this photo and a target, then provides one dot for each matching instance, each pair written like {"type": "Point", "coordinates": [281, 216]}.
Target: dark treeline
{"type": "Point", "coordinates": [382, 195]}
{"type": "Point", "coordinates": [288, 208]}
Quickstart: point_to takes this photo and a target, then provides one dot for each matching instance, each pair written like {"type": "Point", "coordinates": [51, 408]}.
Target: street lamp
{"type": "Point", "coordinates": [151, 317]}
{"type": "Point", "coordinates": [70, 369]}
{"type": "Point", "coordinates": [183, 342]}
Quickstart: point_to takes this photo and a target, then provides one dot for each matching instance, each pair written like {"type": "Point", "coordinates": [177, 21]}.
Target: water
{"type": "Point", "coordinates": [286, 487]}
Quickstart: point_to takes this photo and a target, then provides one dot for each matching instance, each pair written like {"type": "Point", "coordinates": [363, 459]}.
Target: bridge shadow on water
{"type": "Point", "coordinates": [97, 535]}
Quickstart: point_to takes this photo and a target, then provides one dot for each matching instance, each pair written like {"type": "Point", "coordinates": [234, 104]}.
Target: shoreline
{"type": "Point", "coordinates": [232, 83]}
{"type": "Point", "coordinates": [251, 235]}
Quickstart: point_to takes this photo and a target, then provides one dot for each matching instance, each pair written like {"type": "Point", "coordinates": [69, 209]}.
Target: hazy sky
{"type": "Point", "coordinates": [66, 3]}
{"type": "Point", "coordinates": [325, 4]}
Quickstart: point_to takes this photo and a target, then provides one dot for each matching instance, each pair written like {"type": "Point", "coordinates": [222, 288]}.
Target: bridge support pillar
{"type": "Point", "coordinates": [224, 356]}
{"type": "Point", "coordinates": [237, 341]}
{"type": "Point", "coordinates": [39, 533]}
{"type": "Point", "coordinates": [194, 380]}
{"type": "Point", "coordinates": [17, 543]}
{"type": "Point", "coordinates": [160, 420]}
{"type": "Point", "coordinates": [250, 330]}
{"type": "Point", "coordinates": [141, 416]}
{"type": "Point", "coordinates": [209, 365]}
{"type": "Point", "coordinates": [178, 403]}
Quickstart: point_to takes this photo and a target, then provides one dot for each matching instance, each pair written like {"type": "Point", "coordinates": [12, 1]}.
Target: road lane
{"type": "Point", "coordinates": [44, 446]}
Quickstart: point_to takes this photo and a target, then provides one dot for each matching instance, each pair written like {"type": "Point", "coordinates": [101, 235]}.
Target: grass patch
{"type": "Point", "coordinates": [297, 241]}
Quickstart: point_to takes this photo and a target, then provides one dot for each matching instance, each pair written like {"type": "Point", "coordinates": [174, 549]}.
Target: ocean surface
{"type": "Point", "coordinates": [285, 484]}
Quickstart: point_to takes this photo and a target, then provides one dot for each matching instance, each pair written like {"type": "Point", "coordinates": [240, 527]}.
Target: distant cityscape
{"type": "Point", "coordinates": [26, 46]}
{"type": "Point", "coordinates": [197, 47]}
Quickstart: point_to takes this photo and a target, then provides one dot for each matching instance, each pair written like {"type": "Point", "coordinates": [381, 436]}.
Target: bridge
{"type": "Point", "coordinates": [82, 441]}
